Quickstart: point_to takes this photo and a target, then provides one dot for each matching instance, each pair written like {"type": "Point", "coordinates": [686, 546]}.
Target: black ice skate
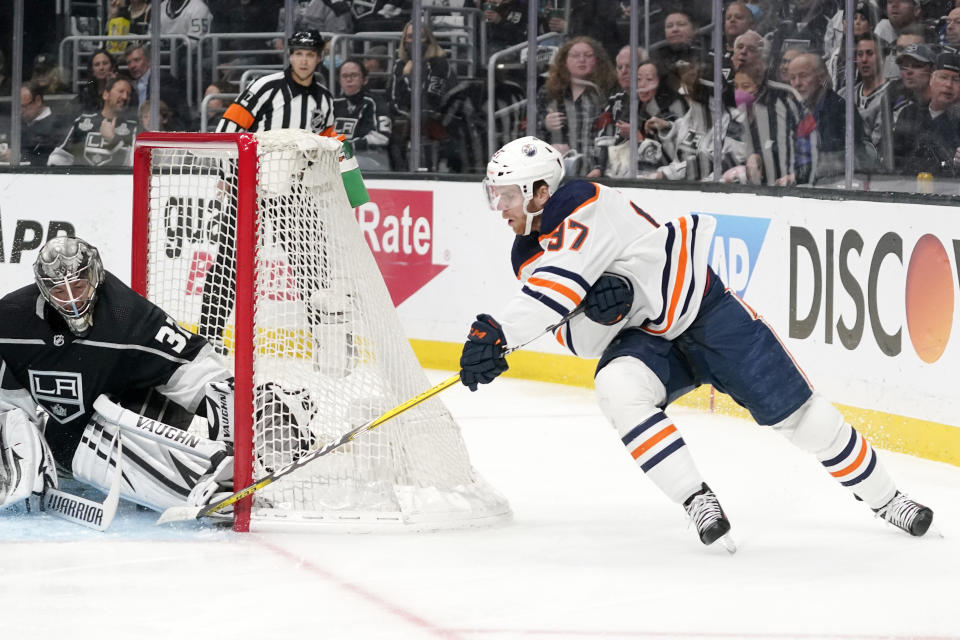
{"type": "Point", "coordinates": [706, 513]}
{"type": "Point", "coordinates": [912, 517]}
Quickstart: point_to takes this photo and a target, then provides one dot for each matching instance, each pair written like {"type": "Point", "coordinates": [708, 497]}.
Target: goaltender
{"type": "Point", "coordinates": [80, 345]}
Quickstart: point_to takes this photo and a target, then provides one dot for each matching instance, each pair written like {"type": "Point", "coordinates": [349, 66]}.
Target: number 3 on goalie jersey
{"type": "Point", "coordinates": [172, 335]}
{"type": "Point", "coordinates": [577, 232]}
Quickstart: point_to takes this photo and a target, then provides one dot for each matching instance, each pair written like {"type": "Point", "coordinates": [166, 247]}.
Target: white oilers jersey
{"type": "Point", "coordinates": [589, 229]}
{"type": "Point", "coordinates": [192, 18]}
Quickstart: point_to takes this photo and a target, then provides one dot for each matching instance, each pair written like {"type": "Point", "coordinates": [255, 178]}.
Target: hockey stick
{"type": "Point", "coordinates": [176, 514]}
{"type": "Point", "coordinates": [95, 515]}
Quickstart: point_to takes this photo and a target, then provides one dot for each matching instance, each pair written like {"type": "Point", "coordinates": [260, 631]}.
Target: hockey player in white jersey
{"type": "Point", "coordinates": [661, 323]}
{"type": "Point", "coordinates": [77, 344]}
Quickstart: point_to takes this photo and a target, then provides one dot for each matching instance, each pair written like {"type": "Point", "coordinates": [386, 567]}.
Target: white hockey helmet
{"type": "Point", "coordinates": [26, 464]}
{"type": "Point", "coordinates": [523, 162]}
{"type": "Point", "coordinates": [68, 272]}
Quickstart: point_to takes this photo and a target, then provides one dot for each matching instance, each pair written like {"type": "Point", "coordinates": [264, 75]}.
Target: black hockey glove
{"type": "Point", "coordinates": [609, 299]}
{"type": "Point", "coordinates": [482, 358]}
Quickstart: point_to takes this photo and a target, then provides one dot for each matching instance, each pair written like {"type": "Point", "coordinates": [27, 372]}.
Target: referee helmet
{"type": "Point", "coordinates": [311, 39]}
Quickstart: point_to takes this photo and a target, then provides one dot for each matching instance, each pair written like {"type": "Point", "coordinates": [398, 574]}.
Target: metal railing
{"type": "Point", "coordinates": [252, 74]}
{"type": "Point", "coordinates": [492, 88]}
{"type": "Point", "coordinates": [205, 106]}
{"type": "Point", "coordinates": [339, 42]}
{"type": "Point", "coordinates": [76, 67]}
{"type": "Point", "coordinates": [216, 62]}
{"type": "Point", "coordinates": [457, 37]}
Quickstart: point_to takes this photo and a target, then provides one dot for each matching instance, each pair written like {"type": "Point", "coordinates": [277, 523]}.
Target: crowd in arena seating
{"type": "Point", "coordinates": [784, 72]}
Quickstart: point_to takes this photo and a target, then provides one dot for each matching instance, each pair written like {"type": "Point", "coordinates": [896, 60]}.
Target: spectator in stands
{"type": "Point", "coordinates": [749, 53]}
{"type": "Point", "coordinates": [580, 80]}
{"type": "Point", "coordinates": [791, 52]}
{"type": "Point", "coordinates": [48, 76]}
{"type": "Point", "coordinates": [912, 34]}
{"type": "Point", "coordinates": [506, 23]}
{"type": "Point", "coordinates": [104, 138]}
{"type": "Point", "coordinates": [734, 129]}
{"type": "Point", "coordinates": [771, 110]}
{"type": "Point", "coordinates": [101, 67]}
{"type": "Point", "coordinates": [900, 15]}
{"type": "Point", "coordinates": [681, 139]}
{"type": "Point", "coordinates": [871, 97]}
{"type": "Point", "coordinates": [653, 101]}
{"type": "Point", "coordinates": [680, 32]}
{"type": "Point", "coordinates": [916, 65]}
{"type": "Point", "coordinates": [316, 15]}
{"type": "Point", "coordinates": [118, 24]}
{"type": "Point", "coordinates": [835, 49]}
{"type": "Point", "coordinates": [820, 135]}
{"type": "Point", "coordinates": [622, 62]}
{"type": "Point", "coordinates": [191, 18]}
{"type": "Point", "coordinates": [926, 137]}
{"type": "Point", "coordinates": [750, 169]}
{"type": "Point", "coordinates": [737, 20]}
{"type": "Point", "coordinates": [162, 110]}
{"type": "Point", "coordinates": [171, 91]}
{"type": "Point", "coordinates": [139, 16]}
{"type": "Point", "coordinates": [215, 108]}
{"type": "Point", "coordinates": [437, 78]}
{"type": "Point", "coordinates": [362, 117]}
{"type": "Point", "coordinates": [41, 131]}
{"type": "Point", "coordinates": [951, 33]}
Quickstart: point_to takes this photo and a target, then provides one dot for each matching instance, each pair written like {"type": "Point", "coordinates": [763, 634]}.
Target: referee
{"type": "Point", "coordinates": [288, 99]}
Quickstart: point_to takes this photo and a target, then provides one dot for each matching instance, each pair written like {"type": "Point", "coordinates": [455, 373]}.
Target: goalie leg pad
{"type": "Point", "coordinates": [630, 395]}
{"type": "Point", "coordinates": [819, 428]}
{"type": "Point", "coordinates": [26, 463]}
{"type": "Point", "coordinates": [161, 465]}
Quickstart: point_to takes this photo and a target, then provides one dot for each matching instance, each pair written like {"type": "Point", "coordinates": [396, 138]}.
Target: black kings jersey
{"type": "Point", "coordinates": [85, 145]}
{"type": "Point", "coordinates": [132, 345]}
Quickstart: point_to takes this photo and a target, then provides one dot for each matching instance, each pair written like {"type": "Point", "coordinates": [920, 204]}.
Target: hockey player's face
{"type": "Point", "coordinates": [303, 62]}
{"type": "Point", "coordinates": [72, 296]}
{"type": "Point", "coordinates": [508, 200]}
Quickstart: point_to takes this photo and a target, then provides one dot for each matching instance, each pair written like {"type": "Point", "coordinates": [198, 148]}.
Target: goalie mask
{"type": "Point", "coordinates": [68, 272]}
{"type": "Point", "coordinates": [522, 163]}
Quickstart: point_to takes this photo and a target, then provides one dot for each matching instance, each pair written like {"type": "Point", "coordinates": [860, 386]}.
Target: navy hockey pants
{"type": "Point", "coordinates": [726, 346]}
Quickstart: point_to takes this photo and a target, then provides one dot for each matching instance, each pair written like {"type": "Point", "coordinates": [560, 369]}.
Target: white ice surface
{"type": "Point", "coordinates": [594, 551]}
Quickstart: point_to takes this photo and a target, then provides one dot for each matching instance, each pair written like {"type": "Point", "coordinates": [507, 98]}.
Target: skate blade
{"type": "Point", "coordinates": [728, 543]}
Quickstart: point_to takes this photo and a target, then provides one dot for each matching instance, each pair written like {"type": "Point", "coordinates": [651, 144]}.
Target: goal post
{"type": "Point", "coordinates": [250, 241]}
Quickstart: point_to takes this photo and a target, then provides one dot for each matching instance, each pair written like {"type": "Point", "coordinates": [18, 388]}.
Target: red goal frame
{"type": "Point", "coordinates": [245, 145]}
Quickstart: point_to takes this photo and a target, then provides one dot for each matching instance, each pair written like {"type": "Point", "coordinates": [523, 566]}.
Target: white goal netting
{"type": "Point", "coordinates": [329, 353]}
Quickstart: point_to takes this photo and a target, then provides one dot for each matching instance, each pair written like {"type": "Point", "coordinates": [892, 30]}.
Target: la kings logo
{"type": "Point", "coordinates": [60, 393]}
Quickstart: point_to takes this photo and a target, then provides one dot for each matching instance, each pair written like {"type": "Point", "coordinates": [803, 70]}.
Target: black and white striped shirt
{"type": "Point", "coordinates": [277, 101]}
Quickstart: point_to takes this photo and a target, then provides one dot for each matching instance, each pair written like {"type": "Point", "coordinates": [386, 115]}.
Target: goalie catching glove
{"type": "Point", "coordinates": [483, 358]}
{"type": "Point", "coordinates": [609, 299]}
